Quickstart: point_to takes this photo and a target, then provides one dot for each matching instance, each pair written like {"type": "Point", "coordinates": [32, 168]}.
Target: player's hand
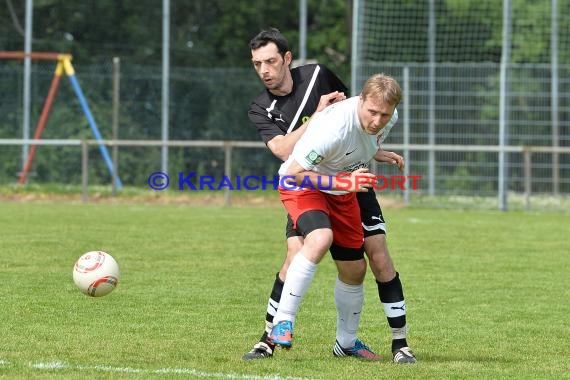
{"type": "Point", "coordinates": [328, 99]}
{"type": "Point", "coordinates": [359, 181]}
{"type": "Point", "coordinates": [390, 158]}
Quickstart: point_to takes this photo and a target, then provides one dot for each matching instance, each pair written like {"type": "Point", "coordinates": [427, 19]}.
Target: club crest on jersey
{"type": "Point", "coordinates": [314, 158]}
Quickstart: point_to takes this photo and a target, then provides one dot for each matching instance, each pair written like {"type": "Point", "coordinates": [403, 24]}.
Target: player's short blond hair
{"type": "Point", "coordinates": [384, 87]}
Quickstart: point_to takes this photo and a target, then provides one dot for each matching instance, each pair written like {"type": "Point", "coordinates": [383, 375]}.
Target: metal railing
{"type": "Point", "coordinates": [228, 146]}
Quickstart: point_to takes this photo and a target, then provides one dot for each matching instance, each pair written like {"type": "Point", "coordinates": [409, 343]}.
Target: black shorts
{"type": "Point", "coordinates": [373, 222]}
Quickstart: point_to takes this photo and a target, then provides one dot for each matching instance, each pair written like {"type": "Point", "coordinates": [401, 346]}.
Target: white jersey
{"type": "Point", "coordinates": [335, 142]}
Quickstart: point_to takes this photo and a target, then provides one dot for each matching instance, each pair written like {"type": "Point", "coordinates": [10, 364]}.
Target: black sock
{"type": "Point", "coordinates": [392, 297]}
{"type": "Point", "coordinates": [272, 305]}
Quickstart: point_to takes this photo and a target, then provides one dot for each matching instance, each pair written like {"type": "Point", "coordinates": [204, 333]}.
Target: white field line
{"type": "Point", "coordinates": [58, 365]}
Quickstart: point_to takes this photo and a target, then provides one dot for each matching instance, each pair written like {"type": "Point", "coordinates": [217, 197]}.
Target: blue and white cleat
{"type": "Point", "coordinates": [282, 334]}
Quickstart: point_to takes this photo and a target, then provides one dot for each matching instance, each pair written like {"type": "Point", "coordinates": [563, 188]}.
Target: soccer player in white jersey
{"type": "Point", "coordinates": [318, 185]}
{"type": "Point", "coordinates": [280, 114]}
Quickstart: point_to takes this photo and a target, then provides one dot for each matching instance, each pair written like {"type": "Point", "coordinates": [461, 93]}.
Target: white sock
{"type": "Point", "coordinates": [349, 300]}
{"type": "Point", "coordinates": [299, 276]}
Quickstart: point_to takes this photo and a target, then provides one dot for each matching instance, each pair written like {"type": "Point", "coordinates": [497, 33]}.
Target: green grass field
{"type": "Point", "coordinates": [487, 293]}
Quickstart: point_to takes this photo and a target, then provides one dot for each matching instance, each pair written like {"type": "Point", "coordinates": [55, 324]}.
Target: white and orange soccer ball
{"type": "Point", "coordinates": [96, 273]}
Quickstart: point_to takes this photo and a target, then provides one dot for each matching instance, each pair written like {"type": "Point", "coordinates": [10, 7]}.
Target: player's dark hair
{"type": "Point", "coordinates": [270, 35]}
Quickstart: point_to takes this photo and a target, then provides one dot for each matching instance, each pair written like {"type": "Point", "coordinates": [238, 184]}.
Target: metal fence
{"type": "Point", "coordinates": [460, 190]}
{"type": "Point", "coordinates": [465, 112]}
{"type": "Point", "coordinates": [458, 158]}
{"type": "Point", "coordinates": [476, 75]}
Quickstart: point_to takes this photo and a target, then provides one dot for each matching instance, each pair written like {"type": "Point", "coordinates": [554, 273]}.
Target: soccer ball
{"type": "Point", "coordinates": [96, 273]}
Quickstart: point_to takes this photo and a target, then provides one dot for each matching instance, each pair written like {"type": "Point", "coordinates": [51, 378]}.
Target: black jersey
{"type": "Point", "coordinates": [278, 115]}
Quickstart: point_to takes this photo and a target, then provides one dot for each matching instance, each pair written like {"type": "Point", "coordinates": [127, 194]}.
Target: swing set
{"type": "Point", "coordinates": [63, 66]}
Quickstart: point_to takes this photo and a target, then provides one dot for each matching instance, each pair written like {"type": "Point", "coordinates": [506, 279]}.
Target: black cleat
{"type": "Point", "coordinates": [404, 355]}
{"type": "Point", "coordinates": [261, 350]}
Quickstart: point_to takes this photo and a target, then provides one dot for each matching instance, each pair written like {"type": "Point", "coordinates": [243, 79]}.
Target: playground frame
{"type": "Point", "coordinates": [63, 65]}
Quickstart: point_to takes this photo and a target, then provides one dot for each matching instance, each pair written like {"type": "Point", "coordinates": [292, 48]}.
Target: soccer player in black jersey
{"type": "Point", "coordinates": [280, 114]}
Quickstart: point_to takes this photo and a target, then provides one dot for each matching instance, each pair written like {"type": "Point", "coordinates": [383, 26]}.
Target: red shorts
{"type": "Point", "coordinates": [343, 212]}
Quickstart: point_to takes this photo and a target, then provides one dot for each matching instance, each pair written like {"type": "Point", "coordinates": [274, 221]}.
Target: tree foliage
{"type": "Point", "coordinates": [203, 33]}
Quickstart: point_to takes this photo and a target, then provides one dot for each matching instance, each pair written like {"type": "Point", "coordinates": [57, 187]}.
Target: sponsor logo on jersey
{"type": "Point", "coordinates": [355, 166]}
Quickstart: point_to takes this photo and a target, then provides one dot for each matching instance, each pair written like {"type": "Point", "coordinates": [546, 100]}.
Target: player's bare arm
{"type": "Point", "coordinates": [282, 145]}
{"type": "Point", "coordinates": [390, 158]}
{"type": "Point", "coordinates": [359, 180]}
